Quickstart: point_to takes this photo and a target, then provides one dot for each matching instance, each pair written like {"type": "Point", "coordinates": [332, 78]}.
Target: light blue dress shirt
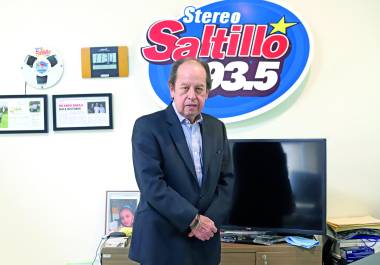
{"type": "Point", "coordinates": [194, 142]}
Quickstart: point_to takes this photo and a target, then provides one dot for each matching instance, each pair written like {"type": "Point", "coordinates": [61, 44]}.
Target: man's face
{"type": "Point", "coordinates": [189, 91]}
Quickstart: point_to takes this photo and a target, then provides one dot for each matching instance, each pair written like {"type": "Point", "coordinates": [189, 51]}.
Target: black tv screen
{"type": "Point", "coordinates": [280, 186]}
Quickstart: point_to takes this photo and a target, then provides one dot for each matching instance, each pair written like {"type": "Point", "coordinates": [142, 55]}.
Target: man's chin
{"type": "Point", "coordinates": [191, 115]}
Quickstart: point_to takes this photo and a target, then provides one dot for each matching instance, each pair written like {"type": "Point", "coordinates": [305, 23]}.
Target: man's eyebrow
{"type": "Point", "coordinates": [186, 84]}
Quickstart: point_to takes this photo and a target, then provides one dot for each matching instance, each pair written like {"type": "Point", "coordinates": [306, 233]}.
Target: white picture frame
{"type": "Point", "coordinates": [120, 209]}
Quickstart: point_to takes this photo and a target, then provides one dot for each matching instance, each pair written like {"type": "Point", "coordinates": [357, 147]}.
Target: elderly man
{"type": "Point", "coordinates": [183, 169]}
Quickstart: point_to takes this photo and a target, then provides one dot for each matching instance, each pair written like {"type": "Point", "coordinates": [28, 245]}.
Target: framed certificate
{"type": "Point", "coordinates": [23, 114]}
{"type": "Point", "coordinates": [82, 112]}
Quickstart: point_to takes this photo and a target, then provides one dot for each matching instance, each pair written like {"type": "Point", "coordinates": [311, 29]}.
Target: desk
{"type": "Point", "coordinates": [370, 260]}
{"type": "Point", "coordinates": [116, 256]}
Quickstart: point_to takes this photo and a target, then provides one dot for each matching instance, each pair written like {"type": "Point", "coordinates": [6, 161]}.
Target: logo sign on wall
{"type": "Point", "coordinates": [258, 52]}
{"type": "Point", "coordinates": [42, 68]}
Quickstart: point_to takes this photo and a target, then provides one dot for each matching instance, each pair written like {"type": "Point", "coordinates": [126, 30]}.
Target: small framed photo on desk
{"type": "Point", "coordinates": [120, 210]}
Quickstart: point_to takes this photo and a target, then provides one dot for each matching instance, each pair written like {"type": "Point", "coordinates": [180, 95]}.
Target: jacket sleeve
{"type": "Point", "coordinates": [221, 204]}
{"type": "Point", "coordinates": [147, 162]}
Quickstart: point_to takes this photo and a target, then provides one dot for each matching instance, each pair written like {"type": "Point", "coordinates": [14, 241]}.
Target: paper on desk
{"type": "Point", "coordinates": [116, 242]}
{"type": "Point", "coordinates": [350, 223]}
{"type": "Point", "coordinates": [301, 241]}
{"type": "Point", "coordinates": [354, 220]}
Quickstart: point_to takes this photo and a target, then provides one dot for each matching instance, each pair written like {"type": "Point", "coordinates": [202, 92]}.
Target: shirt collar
{"type": "Point", "coordinates": [184, 120]}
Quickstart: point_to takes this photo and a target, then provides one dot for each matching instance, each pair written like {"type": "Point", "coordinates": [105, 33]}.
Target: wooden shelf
{"type": "Point", "coordinates": [276, 254]}
{"type": "Point", "coordinates": [239, 254]}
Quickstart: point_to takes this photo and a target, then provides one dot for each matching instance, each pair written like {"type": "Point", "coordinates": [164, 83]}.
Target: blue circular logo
{"type": "Point", "coordinates": [42, 67]}
{"type": "Point", "coordinates": [258, 52]}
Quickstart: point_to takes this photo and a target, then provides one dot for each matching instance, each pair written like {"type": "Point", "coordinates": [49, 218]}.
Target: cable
{"type": "Point", "coordinates": [372, 242]}
{"type": "Point", "coordinates": [97, 249]}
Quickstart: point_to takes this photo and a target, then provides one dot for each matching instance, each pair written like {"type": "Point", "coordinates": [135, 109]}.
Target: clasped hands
{"type": "Point", "coordinates": [204, 230]}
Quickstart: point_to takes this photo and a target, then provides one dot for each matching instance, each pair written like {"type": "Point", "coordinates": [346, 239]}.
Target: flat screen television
{"type": "Point", "coordinates": [280, 186]}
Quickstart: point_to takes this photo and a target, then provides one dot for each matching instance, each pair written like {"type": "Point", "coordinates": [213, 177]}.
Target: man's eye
{"type": "Point", "coordinates": [199, 90]}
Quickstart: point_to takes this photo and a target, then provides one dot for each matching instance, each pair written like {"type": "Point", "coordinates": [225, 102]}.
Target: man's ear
{"type": "Point", "coordinates": [171, 89]}
{"type": "Point", "coordinates": [207, 92]}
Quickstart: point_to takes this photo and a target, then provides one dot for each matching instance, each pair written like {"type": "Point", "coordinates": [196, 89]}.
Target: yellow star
{"type": "Point", "coordinates": [281, 26]}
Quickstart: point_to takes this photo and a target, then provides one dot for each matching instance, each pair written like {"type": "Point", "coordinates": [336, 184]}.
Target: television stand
{"type": "Point", "coordinates": [237, 254]}
{"type": "Point", "coordinates": [276, 254]}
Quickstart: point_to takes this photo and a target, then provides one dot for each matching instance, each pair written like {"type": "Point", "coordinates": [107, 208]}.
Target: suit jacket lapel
{"type": "Point", "coordinates": [207, 147]}
{"type": "Point", "coordinates": [179, 139]}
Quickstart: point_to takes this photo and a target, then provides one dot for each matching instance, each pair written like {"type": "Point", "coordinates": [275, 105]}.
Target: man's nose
{"type": "Point", "coordinates": [191, 93]}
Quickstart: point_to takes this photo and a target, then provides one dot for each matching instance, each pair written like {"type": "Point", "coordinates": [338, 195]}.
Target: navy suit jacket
{"type": "Point", "coordinates": [170, 194]}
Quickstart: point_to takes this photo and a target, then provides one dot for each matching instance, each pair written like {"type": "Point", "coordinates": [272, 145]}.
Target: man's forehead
{"type": "Point", "coordinates": [191, 82]}
{"type": "Point", "coordinates": [192, 65]}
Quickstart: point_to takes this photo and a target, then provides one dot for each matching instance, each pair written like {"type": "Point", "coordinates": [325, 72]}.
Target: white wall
{"type": "Point", "coordinates": [52, 186]}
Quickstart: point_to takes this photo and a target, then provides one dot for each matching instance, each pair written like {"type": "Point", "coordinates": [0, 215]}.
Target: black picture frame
{"type": "Point", "coordinates": [23, 114]}
{"type": "Point", "coordinates": [82, 112]}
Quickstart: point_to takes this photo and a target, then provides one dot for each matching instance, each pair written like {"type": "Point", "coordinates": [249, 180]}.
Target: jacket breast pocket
{"type": "Point", "coordinates": [219, 154]}
{"type": "Point", "coordinates": [218, 158]}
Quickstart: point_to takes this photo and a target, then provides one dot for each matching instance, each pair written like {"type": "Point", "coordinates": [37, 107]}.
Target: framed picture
{"type": "Point", "coordinates": [120, 209]}
{"type": "Point", "coordinates": [23, 114]}
{"type": "Point", "coordinates": [82, 112]}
